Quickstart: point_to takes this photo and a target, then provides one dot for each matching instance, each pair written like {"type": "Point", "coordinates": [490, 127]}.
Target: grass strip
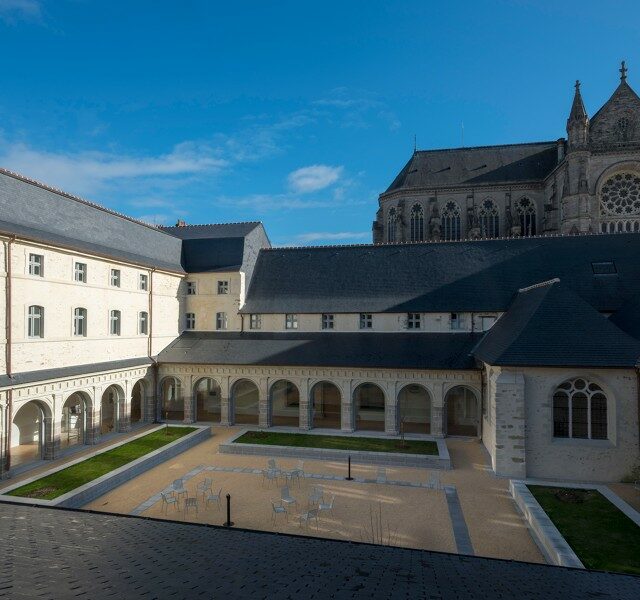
{"type": "Point", "coordinates": [335, 442]}
{"type": "Point", "coordinates": [63, 481]}
{"type": "Point", "coordinates": [600, 534]}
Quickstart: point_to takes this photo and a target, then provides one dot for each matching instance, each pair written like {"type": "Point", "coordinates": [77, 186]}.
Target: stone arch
{"type": "Point", "coordinates": [527, 214]}
{"type": "Point", "coordinates": [414, 409]}
{"type": "Point", "coordinates": [325, 403]}
{"type": "Point", "coordinates": [462, 408]}
{"type": "Point", "coordinates": [207, 400]}
{"type": "Point", "coordinates": [369, 407]}
{"type": "Point", "coordinates": [76, 420]}
{"type": "Point", "coordinates": [284, 403]}
{"type": "Point", "coordinates": [489, 218]}
{"type": "Point", "coordinates": [245, 400]}
{"type": "Point", "coordinates": [171, 399]}
{"type": "Point", "coordinates": [137, 408]}
{"type": "Point", "coordinates": [32, 432]}
{"type": "Point", "coordinates": [451, 221]}
{"type": "Point", "coordinates": [111, 409]}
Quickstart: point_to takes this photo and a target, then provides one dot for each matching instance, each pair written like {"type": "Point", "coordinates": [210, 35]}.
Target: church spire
{"type": "Point", "coordinates": [578, 121]}
{"type": "Point", "coordinates": [623, 71]}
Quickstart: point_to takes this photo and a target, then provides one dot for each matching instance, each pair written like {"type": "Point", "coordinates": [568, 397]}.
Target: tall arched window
{"type": "Point", "coordinates": [579, 410]}
{"type": "Point", "coordinates": [80, 321]}
{"type": "Point", "coordinates": [489, 219]}
{"type": "Point", "coordinates": [527, 215]}
{"type": "Point", "coordinates": [35, 322]}
{"type": "Point", "coordinates": [392, 220]}
{"type": "Point", "coordinates": [451, 221]}
{"type": "Point", "coordinates": [417, 223]}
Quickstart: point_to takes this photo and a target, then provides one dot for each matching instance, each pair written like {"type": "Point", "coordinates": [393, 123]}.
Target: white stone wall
{"type": "Point", "coordinates": [207, 302]}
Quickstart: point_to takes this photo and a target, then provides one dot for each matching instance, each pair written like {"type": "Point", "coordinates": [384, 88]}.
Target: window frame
{"type": "Point", "coordinates": [255, 321]}
{"type": "Point", "coordinates": [366, 320]}
{"type": "Point", "coordinates": [115, 322]}
{"type": "Point", "coordinates": [291, 321]}
{"type": "Point", "coordinates": [35, 322]}
{"type": "Point", "coordinates": [115, 277]}
{"type": "Point", "coordinates": [327, 321]}
{"type": "Point", "coordinates": [567, 395]}
{"type": "Point", "coordinates": [457, 319]}
{"type": "Point", "coordinates": [414, 320]}
{"type": "Point", "coordinates": [192, 288]}
{"type": "Point", "coordinates": [223, 287]}
{"type": "Point", "coordinates": [222, 321]}
{"type": "Point", "coordinates": [80, 321]}
{"type": "Point", "coordinates": [190, 321]}
{"type": "Point", "coordinates": [143, 282]}
{"type": "Point", "coordinates": [143, 320]}
{"type": "Point", "coordinates": [33, 265]}
{"type": "Point", "coordinates": [80, 270]}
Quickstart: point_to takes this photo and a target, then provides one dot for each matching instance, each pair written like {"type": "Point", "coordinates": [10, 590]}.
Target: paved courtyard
{"type": "Point", "coordinates": [474, 514]}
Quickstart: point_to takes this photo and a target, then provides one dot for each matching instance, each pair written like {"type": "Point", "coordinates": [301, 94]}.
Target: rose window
{"type": "Point", "coordinates": [620, 195]}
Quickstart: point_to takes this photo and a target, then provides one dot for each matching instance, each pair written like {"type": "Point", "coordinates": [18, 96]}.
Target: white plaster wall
{"type": "Point", "coordinates": [207, 302]}
{"type": "Point", "coordinates": [3, 306]}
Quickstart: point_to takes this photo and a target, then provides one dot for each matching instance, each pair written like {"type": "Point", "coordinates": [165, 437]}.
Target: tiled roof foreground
{"type": "Point", "coordinates": [56, 553]}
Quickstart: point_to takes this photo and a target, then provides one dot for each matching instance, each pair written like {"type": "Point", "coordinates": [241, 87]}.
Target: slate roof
{"type": "Point", "coordinates": [549, 326]}
{"type": "Point", "coordinates": [401, 350]}
{"type": "Point", "coordinates": [628, 317]}
{"type": "Point", "coordinates": [59, 553]}
{"type": "Point", "coordinates": [38, 212]}
{"type": "Point", "coordinates": [467, 276]}
{"type": "Point", "coordinates": [212, 230]}
{"type": "Point", "coordinates": [477, 165]}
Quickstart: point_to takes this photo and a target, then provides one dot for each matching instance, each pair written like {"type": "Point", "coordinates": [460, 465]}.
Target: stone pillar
{"type": "Point", "coordinates": [438, 414]}
{"type": "Point", "coordinates": [391, 417]}
{"type": "Point", "coordinates": [189, 401]}
{"type": "Point", "coordinates": [124, 409]}
{"type": "Point", "coordinates": [347, 417]}
{"type": "Point", "coordinates": [50, 442]}
{"type": "Point", "coordinates": [91, 421]}
{"type": "Point", "coordinates": [510, 456]}
{"type": "Point", "coordinates": [5, 441]}
{"type": "Point", "coordinates": [304, 415]}
{"type": "Point", "coordinates": [264, 408]}
{"type": "Point", "coordinates": [226, 411]}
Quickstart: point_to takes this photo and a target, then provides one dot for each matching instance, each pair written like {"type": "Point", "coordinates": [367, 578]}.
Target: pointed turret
{"type": "Point", "coordinates": [578, 122]}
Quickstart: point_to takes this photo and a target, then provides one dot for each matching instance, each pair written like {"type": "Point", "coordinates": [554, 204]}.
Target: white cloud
{"type": "Point", "coordinates": [313, 178]}
{"type": "Point", "coordinates": [326, 236]}
{"type": "Point", "coordinates": [264, 203]}
{"type": "Point", "coordinates": [12, 11]}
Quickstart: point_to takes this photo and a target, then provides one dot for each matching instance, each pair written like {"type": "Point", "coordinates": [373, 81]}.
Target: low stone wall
{"type": "Point", "coordinates": [549, 539]}
{"type": "Point", "coordinates": [396, 459]}
{"type": "Point", "coordinates": [109, 481]}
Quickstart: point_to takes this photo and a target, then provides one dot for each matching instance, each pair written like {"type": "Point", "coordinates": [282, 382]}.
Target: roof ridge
{"type": "Point", "coordinates": [73, 197]}
{"type": "Point", "coordinates": [539, 285]}
{"type": "Point", "coordinates": [209, 224]}
{"type": "Point", "coordinates": [458, 148]}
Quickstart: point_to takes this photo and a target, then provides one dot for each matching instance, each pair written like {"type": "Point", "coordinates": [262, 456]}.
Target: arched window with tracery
{"type": "Point", "coordinates": [526, 210]}
{"type": "Point", "coordinates": [392, 221]}
{"type": "Point", "coordinates": [620, 203]}
{"type": "Point", "coordinates": [580, 410]}
{"type": "Point", "coordinates": [451, 228]}
{"type": "Point", "coordinates": [417, 223]}
{"type": "Point", "coordinates": [489, 219]}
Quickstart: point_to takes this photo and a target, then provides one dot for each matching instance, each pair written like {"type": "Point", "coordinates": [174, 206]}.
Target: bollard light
{"type": "Point", "coordinates": [348, 477]}
{"type": "Point", "coordinates": [229, 522]}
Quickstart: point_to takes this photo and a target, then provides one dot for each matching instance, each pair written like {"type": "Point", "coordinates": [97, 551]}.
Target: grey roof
{"type": "Point", "coordinates": [212, 230]}
{"type": "Point", "coordinates": [628, 317]}
{"type": "Point", "coordinates": [59, 553]}
{"type": "Point", "coordinates": [547, 325]}
{"type": "Point", "coordinates": [401, 350]}
{"type": "Point", "coordinates": [464, 276]}
{"type": "Point", "coordinates": [38, 212]}
{"type": "Point", "coordinates": [477, 166]}
{"type": "Point", "coordinates": [73, 371]}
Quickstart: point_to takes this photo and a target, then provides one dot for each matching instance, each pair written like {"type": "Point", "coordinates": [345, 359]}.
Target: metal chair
{"type": "Point", "coordinates": [286, 497]}
{"type": "Point", "coordinates": [316, 496]}
{"type": "Point", "coordinates": [168, 499]}
{"type": "Point", "coordinates": [205, 486]}
{"type": "Point", "coordinates": [278, 509]}
{"type": "Point", "coordinates": [211, 497]}
{"type": "Point", "coordinates": [272, 466]}
{"type": "Point", "coordinates": [190, 503]}
{"type": "Point", "coordinates": [269, 475]}
{"type": "Point", "coordinates": [178, 488]}
{"type": "Point", "coordinates": [308, 516]}
{"type": "Point", "coordinates": [326, 506]}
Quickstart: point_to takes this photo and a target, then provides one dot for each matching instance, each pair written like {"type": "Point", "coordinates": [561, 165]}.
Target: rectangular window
{"type": "Point", "coordinates": [115, 277]}
{"type": "Point", "coordinates": [190, 321]}
{"type": "Point", "coordinates": [255, 321]}
{"type": "Point", "coordinates": [221, 320]}
{"type": "Point", "coordinates": [80, 322]}
{"type": "Point", "coordinates": [143, 323]}
{"type": "Point", "coordinates": [36, 264]}
{"type": "Point", "coordinates": [35, 322]}
{"type": "Point", "coordinates": [327, 321]}
{"type": "Point", "coordinates": [80, 272]}
{"type": "Point", "coordinates": [366, 321]}
{"type": "Point", "coordinates": [114, 322]}
{"type": "Point", "coordinates": [291, 321]}
{"type": "Point", "coordinates": [604, 268]}
{"type": "Point", "coordinates": [191, 288]}
{"type": "Point", "coordinates": [487, 323]}
{"type": "Point", "coordinates": [414, 321]}
{"type": "Point", "coordinates": [223, 287]}
{"type": "Point", "coordinates": [456, 321]}
{"type": "Point", "coordinates": [143, 283]}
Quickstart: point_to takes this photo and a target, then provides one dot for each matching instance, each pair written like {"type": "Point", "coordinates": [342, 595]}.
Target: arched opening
{"type": "Point", "coordinates": [368, 406]}
{"type": "Point", "coordinates": [462, 411]}
{"type": "Point", "coordinates": [29, 433]}
{"type": "Point", "coordinates": [109, 409]}
{"type": "Point", "coordinates": [451, 226]}
{"type": "Point", "coordinates": [172, 400]}
{"type": "Point", "coordinates": [326, 405]}
{"type": "Point", "coordinates": [284, 401]}
{"type": "Point", "coordinates": [137, 401]}
{"type": "Point", "coordinates": [527, 216]}
{"type": "Point", "coordinates": [207, 397]}
{"type": "Point", "coordinates": [246, 402]}
{"type": "Point", "coordinates": [417, 223]}
{"type": "Point", "coordinates": [580, 410]}
{"type": "Point", "coordinates": [73, 426]}
{"type": "Point", "coordinates": [392, 220]}
{"type": "Point", "coordinates": [489, 219]}
{"type": "Point", "coordinates": [414, 410]}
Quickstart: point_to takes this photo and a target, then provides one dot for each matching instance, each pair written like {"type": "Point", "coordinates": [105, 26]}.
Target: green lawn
{"type": "Point", "coordinates": [336, 442]}
{"type": "Point", "coordinates": [602, 536]}
{"type": "Point", "coordinates": [57, 484]}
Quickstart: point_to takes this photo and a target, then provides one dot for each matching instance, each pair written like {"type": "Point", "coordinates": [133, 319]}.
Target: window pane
{"type": "Point", "coordinates": [579, 416]}
{"type": "Point", "coordinates": [560, 415]}
{"type": "Point", "coordinates": [598, 417]}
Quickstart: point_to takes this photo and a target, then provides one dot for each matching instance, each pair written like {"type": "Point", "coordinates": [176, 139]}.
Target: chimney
{"type": "Point", "coordinates": [181, 223]}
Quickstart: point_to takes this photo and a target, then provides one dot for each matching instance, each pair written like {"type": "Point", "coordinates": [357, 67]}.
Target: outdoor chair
{"type": "Point", "coordinates": [178, 488]}
{"type": "Point", "coordinates": [286, 497]}
{"type": "Point", "coordinates": [190, 503]}
{"type": "Point", "coordinates": [279, 509]}
{"type": "Point", "coordinates": [434, 482]}
{"type": "Point", "coordinates": [211, 497]}
{"type": "Point", "coordinates": [309, 515]}
{"type": "Point", "coordinates": [326, 506]}
{"type": "Point", "coordinates": [269, 475]}
{"type": "Point", "coordinates": [205, 486]}
{"type": "Point", "coordinates": [168, 499]}
{"type": "Point", "coordinates": [316, 496]}
{"type": "Point", "coordinates": [272, 466]}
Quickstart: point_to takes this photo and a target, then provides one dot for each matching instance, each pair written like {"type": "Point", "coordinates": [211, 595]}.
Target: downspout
{"type": "Point", "coordinates": [482, 402]}
{"type": "Point", "coordinates": [154, 363]}
{"type": "Point", "coordinates": [8, 413]}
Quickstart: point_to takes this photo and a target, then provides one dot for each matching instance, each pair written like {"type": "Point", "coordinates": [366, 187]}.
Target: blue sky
{"type": "Point", "coordinates": [297, 114]}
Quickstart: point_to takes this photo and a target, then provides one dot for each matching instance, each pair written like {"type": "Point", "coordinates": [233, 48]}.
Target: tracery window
{"type": "Point", "coordinates": [489, 219]}
{"type": "Point", "coordinates": [527, 214]}
{"type": "Point", "coordinates": [451, 221]}
{"type": "Point", "coordinates": [620, 195]}
{"type": "Point", "coordinates": [579, 410]}
{"type": "Point", "coordinates": [392, 221]}
{"type": "Point", "coordinates": [417, 223]}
